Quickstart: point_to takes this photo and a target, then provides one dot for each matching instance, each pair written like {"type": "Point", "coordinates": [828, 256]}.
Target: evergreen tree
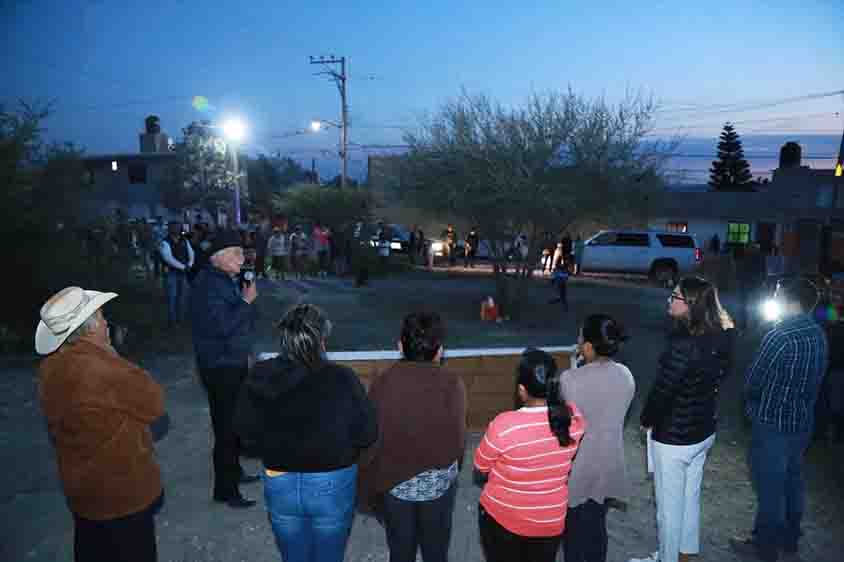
{"type": "Point", "coordinates": [730, 172]}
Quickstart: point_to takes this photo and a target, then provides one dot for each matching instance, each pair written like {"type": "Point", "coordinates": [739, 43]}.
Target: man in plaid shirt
{"type": "Point", "coordinates": [780, 390]}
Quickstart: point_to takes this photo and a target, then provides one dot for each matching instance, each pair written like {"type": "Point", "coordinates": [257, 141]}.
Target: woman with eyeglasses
{"type": "Point", "coordinates": [681, 411]}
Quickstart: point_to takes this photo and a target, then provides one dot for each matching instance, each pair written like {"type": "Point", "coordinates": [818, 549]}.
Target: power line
{"type": "Point", "coordinates": [122, 105]}
{"type": "Point", "coordinates": [753, 156]}
{"type": "Point", "coordinates": [752, 106]}
{"type": "Point", "coordinates": [832, 114]}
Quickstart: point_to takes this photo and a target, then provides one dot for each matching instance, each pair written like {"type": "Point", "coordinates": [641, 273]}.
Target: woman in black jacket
{"type": "Point", "coordinates": [307, 418]}
{"type": "Point", "coordinates": [680, 412]}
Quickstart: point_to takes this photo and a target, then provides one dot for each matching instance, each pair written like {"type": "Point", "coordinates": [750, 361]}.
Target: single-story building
{"type": "Point", "coordinates": [799, 214]}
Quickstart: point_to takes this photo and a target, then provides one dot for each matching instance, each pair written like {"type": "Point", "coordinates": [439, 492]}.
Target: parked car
{"type": "Point", "coordinates": [399, 238]}
{"type": "Point", "coordinates": [397, 235]}
{"type": "Point", "coordinates": [663, 256]}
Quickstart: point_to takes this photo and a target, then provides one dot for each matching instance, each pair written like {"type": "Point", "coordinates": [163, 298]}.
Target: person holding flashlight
{"type": "Point", "coordinates": [780, 391]}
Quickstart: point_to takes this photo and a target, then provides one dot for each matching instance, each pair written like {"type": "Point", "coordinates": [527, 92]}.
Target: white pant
{"type": "Point", "coordinates": [678, 472]}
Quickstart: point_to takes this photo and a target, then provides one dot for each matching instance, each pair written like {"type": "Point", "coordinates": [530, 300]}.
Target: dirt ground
{"type": "Point", "coordinates": [36, 525]}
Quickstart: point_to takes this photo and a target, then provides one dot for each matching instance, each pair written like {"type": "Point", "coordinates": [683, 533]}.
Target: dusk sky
{"type": "Point", "coordinates": [106, 64]}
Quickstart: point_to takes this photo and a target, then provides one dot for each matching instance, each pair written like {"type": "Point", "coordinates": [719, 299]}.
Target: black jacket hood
{"type": "Point", "coordinates": [269, 379]}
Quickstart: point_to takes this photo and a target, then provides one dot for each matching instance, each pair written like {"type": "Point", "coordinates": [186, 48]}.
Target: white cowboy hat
{"type": "Point", "coordinates": [63, 313]}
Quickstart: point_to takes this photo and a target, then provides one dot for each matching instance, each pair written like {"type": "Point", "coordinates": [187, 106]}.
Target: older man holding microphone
{"type": "Point", "coordinates": [223, 313]}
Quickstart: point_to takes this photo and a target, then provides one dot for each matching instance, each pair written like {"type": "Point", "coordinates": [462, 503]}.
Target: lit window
{"type": "Point", "coordinates": [738, 233]}
{"type": "Point", "coordinates": [114, 165]}
{"type": "Point", "coordinates": [677, 227]}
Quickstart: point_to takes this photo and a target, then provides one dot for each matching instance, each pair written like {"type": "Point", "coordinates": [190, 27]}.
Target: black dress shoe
{"type": "Point", "coordinates": [237, 502]}
{"type": "Point", "coordinates": [248, 478]}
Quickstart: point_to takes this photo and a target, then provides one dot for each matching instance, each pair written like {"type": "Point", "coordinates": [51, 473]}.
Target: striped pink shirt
{"type": "Point", "coordinates": [527, 491]}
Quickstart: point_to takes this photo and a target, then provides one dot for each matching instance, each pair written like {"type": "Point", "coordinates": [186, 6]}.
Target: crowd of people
{"type": "Point", "coordinates": [550, 469]}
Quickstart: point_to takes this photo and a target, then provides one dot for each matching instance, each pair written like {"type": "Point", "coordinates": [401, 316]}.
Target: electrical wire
{"type": "Point", "coordinates": [794, 117]}
{"type": "Point", "coordinates": [752, 106]}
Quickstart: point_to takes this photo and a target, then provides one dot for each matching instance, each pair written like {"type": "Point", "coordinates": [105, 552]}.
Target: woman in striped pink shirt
{"type": "Point", "coordinates": [527, 455]}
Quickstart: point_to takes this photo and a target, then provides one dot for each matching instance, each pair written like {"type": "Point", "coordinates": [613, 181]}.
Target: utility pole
{"type": "Point", "coordinates": [340, 80]}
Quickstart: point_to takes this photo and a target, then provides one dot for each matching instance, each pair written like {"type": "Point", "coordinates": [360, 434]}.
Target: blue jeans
{"type": "Point", "coordinates": [176, 289]}
{"type": "Point", "coordinates": [311, 513]}
{"type": "Point", "coordinates": [776, 460]}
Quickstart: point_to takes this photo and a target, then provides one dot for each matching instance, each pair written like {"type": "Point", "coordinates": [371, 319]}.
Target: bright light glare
{"type": "Point", "coordinates": [395, 245]}
{"type": "Point", "coordinates": [437, 246]}
{"type": "Point", "coordinates": [771, 310]}
{"type": "Point", "coordinates": [234, 129]}
{"type": "Point", "coordinates": [316, 126]}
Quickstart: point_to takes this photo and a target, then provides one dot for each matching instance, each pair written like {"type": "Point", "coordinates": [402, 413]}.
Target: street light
{"type": "Point", "coordinates": [234, 129]}
{"type": "Point", "coordinates": [317, 125]}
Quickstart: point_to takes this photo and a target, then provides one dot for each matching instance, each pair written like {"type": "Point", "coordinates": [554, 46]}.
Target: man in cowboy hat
{"type": "Point", "coordinates": [223, 329]}
{"type": "Point", "coordinates": [98, 408]}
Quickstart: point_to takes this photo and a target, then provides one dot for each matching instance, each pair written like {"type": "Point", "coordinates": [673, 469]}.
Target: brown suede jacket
{"type": "Point", "coordinates": [98, 408]}
{"type": "Point", "coordinates": [422, 425]}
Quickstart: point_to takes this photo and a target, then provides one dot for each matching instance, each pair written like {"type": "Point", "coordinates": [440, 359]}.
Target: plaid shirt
{"type": "Point", "coordinates": [782, 384]}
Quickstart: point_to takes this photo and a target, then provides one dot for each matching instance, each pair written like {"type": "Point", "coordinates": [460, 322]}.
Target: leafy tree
{"type": "Point", "coordinates": [264, 182]}
{"type": "Point", "coordinates": [337, 181]}
{"type": "Point", "coordinates": [336, 208]}
{"type": "Point", "coordinates": [268, 176]}
{"type": "Point", "coordinates": [43, 187]}
{"type": "Point", "coordinates": [20, 152]}
{"type": "Point", "coordinates": [534, 168]}
{"type": "Point", "coordinates": [290, 171]}
{"type": "Point", "coordinates": [174, 195]}
{"type": "Point", "coordinates": [62, 186]}
{"type": "Point", "coordinates": [730, 172]}
{"type": "Point", "coordinates": [205, 170]}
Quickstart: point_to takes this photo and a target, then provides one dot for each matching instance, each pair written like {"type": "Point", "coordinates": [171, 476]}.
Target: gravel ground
{"type": "Point", "coordinates": [37, 526]}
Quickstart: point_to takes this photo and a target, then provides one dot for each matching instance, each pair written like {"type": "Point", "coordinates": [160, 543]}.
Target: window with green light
{"type": "Point", "coordinates": [738, 233]}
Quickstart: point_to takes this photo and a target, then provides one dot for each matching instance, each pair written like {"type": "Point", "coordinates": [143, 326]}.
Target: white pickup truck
{"type": "Point", "coordinates": [663, 256]}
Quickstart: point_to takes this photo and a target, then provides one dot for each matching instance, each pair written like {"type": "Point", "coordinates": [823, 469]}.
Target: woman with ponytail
{"type": "Point", "coordinates": [526, 455]}
{"type": "Point", "coordinates": [681, 411]}
{"type": "Point", "coordinates": [603, 390]}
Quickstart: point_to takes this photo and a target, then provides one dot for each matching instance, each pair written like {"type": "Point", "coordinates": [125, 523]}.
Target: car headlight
{"type": "Point", "coordinates": [437, 246]}
{"type": "Point", "coordinates": [771, 310]}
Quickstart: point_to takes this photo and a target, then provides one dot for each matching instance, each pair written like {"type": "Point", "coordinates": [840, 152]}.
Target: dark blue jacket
{"type": "Point", "coordinates": [223, 323]}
